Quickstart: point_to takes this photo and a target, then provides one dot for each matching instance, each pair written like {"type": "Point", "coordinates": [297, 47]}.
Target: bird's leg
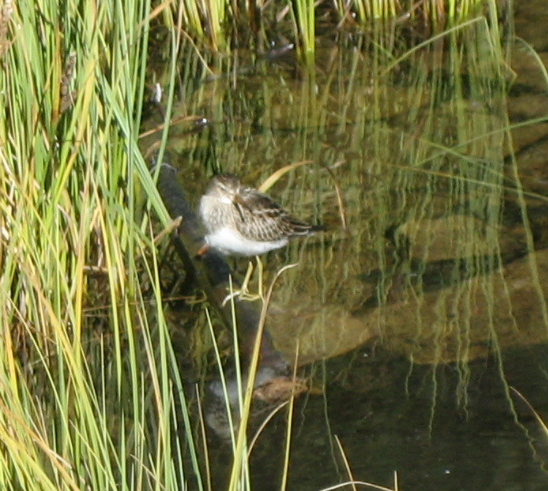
{"type": "Point", "coordinates": [202, 251]}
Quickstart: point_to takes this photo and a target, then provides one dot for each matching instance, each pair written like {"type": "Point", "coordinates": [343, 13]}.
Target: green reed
{"type": "Point", "coordinates": [89, 382]}
{"type": "Point", "coordinates": [219, 24]}
{"type": "Point", "coordinates": [91, 396]}
{"type": "Point", "coordinates": [305, 27]}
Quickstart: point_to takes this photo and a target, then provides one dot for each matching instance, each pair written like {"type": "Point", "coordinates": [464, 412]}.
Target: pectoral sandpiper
{"type": "Point", "coordinates": [243, 221]}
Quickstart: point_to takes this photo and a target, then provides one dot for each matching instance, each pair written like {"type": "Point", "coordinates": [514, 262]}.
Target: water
{"type": "Point", "coordinates": [415, 319]}
{"type": "Point", "coordinates": [389, 420]}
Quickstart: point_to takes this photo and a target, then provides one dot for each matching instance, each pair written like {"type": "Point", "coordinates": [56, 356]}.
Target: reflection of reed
{"type": "Point", "coordinates": [417, 152]}
{"type": "Point", "coordinates": [463, 320]}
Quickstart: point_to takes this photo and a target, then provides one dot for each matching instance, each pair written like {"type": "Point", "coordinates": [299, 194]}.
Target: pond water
{"type": "Point", "coordinates": [423, 305]}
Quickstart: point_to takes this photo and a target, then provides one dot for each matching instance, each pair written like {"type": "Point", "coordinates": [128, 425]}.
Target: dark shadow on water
{"type": "Point", "coordinates": [391, 418]}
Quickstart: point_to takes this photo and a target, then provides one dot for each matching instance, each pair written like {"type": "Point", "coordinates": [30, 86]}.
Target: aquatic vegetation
{"type": "Point", "coordinates": [405, 137]}
{"type": "Point", "coordinates": [87, 370]}
{"type": "Point", "coordinates": [223, 24]}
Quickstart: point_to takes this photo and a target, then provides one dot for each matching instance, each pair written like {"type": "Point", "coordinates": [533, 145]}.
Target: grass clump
{"type": "Point", "coordinates": [88, 378]}
{"type": "Point", "coordinates": [91, 396]}
{"type": "Point", "coordinates": [223, 25]}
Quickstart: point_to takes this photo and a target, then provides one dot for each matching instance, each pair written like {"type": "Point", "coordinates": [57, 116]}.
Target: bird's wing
{"type": "Point", "coordinates": [260, 218]}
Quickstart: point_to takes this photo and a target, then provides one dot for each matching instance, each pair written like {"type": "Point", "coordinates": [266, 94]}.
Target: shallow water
{"type": "Point", "coordinates": [390, 419]}
{"type": "Point", "coordinates": [415, 318]}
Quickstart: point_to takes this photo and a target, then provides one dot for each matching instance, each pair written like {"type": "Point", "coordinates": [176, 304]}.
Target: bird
{"type": "Point", "coordinates": [242, 221]}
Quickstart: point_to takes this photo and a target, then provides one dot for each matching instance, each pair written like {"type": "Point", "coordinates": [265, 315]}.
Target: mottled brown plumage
{"type": "Point", "coordinates": [243, 221]}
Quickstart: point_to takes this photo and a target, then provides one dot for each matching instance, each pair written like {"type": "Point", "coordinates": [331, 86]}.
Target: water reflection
{"type": "Point", "coordinates": [423, 174]}
{"type": "Point", "coordinates": [444, 259]}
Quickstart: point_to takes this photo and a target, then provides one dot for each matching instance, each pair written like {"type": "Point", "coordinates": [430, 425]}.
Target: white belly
{"type": "Point", "coordinates": [228, 241]}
